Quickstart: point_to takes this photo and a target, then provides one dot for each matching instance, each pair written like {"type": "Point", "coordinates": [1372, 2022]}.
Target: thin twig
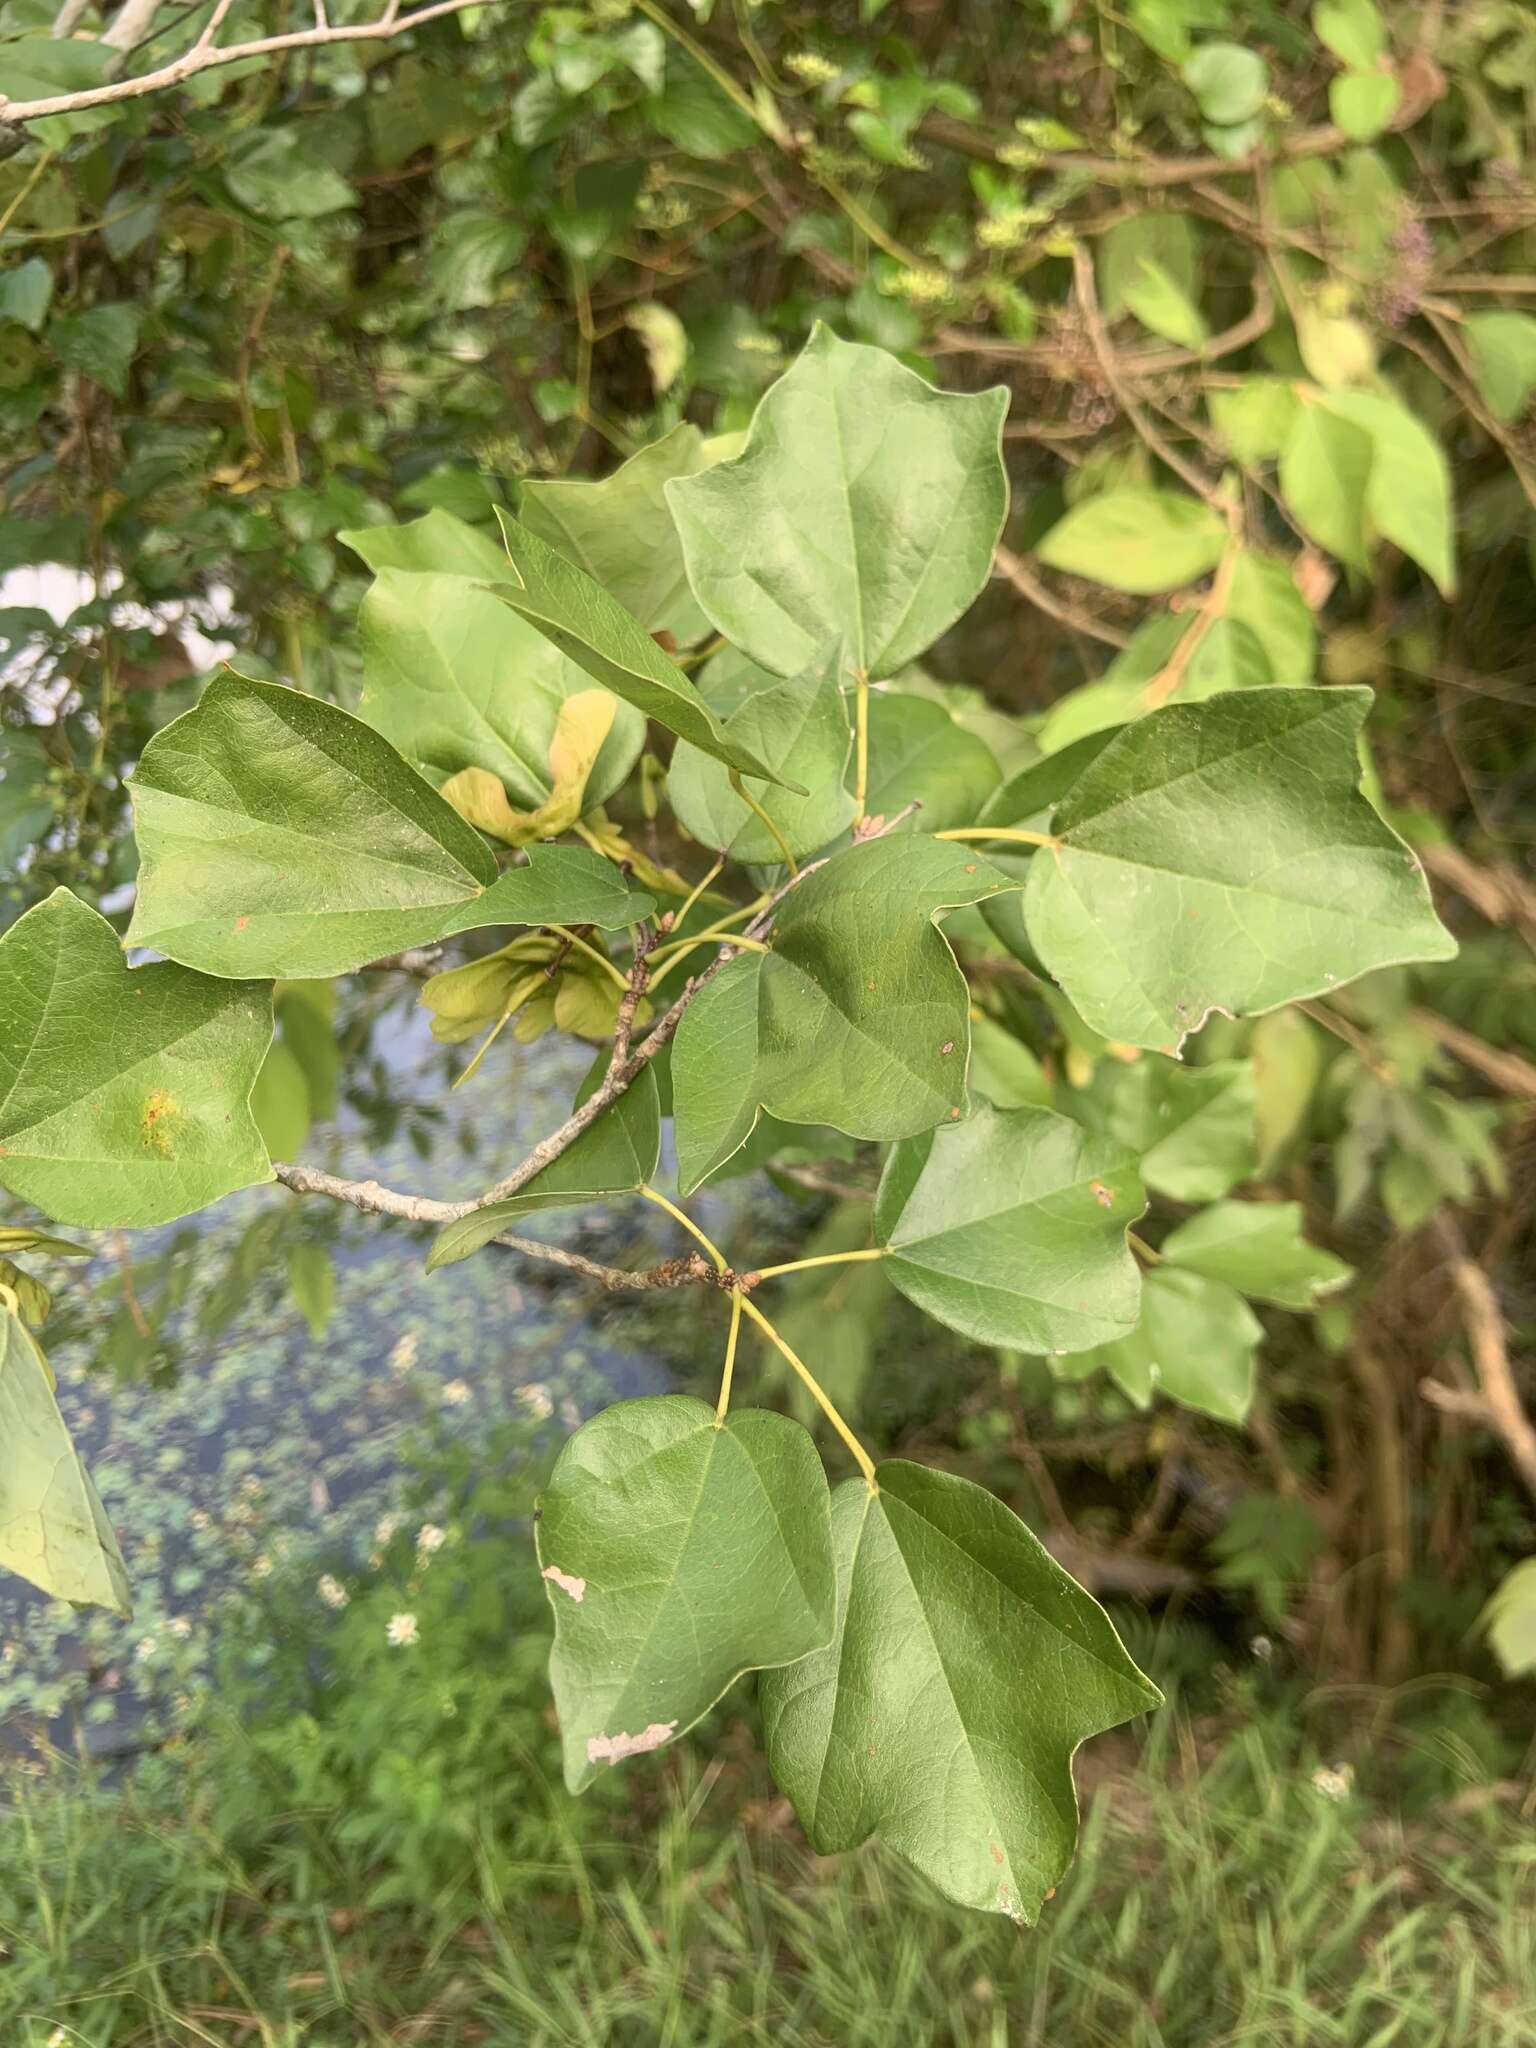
{"type": "Point", "coordinates": [204, 55]}
{"type": "Point", "coordinates": [1497, 1404]}
{"type": "Point", "coordinates": [1006, 563]}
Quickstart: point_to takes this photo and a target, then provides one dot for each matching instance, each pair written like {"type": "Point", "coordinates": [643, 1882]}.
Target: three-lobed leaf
{"type": "Point", "coordinates": [278, 835]}
{"type": "Point", "coordinates": [1010, 1228]}
{"type": "Point", "coordinates": [860, 519]}
{"type": "Point", "coordinates": [679, 1552]}
{"type": "Point", "coordinates": [124, 1092]}
{"type": "Point", "coordinates": [595, 632]}
{"type": "Point", "coordinates": [1220, 856]}
{"type": "Point", "coordinates": [857, 1018]}
{"type": "Point", "coordinates": [965, 1670]}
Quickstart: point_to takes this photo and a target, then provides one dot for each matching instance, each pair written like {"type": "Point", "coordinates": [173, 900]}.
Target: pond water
{"type": "Point", "coordinates": [263, 1444]}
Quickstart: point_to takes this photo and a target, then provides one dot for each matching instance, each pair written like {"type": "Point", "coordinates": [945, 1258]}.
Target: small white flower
{"type": "Point", "coordinates": [1262, 1648]}
{"type": "Point", "coordinates": [385, 1529]}
{"type": "Point", "coordinates": [402, 1630]}
{"type": "Point", "coordinates": [57, 2038]}
{"type": "Point", "coordinates": [332, 1591]}
{"type": "Point", "coordinates": [261, 1568]}
{"type": "Point", "coordinates": [537, 1399]}
{"type": "Point", "coordinates": [144, 1649]}
{"type": "Point", "coordinates": [180, 1627]}
{"type": "Point", "coordinates": [570, 1414]}
{"type": "Point", "coordinates": [403, 1356]}
{"type": "Point", "coordinates": [456, 1393]}
{"type": "Point", "coordinates": [429, 1538]}
{"type": "Point", "coordinates": [199, 1518]}
{"type": "Point", "coordinates": [1335, 1781]}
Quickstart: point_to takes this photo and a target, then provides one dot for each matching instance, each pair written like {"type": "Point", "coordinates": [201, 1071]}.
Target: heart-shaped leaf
{"type": "Point", "coordinates": [965, 1670]}
{"type": "Point", "coordinates": [124, 1092]}
{"type": "Point", "coordinates": [679, 1552]}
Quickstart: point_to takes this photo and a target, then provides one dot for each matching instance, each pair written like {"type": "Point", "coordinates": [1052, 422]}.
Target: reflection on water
{"type": "Point", "coordinates": [266, 1443]}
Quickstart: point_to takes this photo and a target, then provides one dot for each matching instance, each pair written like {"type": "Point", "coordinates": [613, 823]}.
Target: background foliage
{"type": "Point", "coordinates": [1284, 244]}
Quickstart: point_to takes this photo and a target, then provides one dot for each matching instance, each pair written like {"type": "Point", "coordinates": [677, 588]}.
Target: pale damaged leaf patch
{"type": "Point", "coordinates": [612, 1749]}
{"type": "Point", "coordinates": [566, 1581]}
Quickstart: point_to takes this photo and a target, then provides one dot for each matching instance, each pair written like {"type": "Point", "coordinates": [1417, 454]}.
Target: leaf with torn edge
{"type": "Point", "coordinates": [1220, 856]}
{"type": "Point", "coordinates": [589, 628]}
{"type": "Point", "coordinates": [965, 1670]}
{"type": "Point", "coordinates": [1011, 1227]}
{"type": "Point", "coordinates": [124, 1092]}
{"type": "Point", "coordinates": [278, 835]}
{"type": "Point", "coordinates": [679, 1553]}
{"type": "Point", "coordinates": [53, 1528]}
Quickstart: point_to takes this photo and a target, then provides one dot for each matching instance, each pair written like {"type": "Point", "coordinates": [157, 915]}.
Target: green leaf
{"type": "Point", "coordinates": [25, 1237]}
{"type": "Point", "coordinates": [1325, 467]}
{"type": "Point", "coordinates": [42, 68]}
{"type": "Point", "coordinates": [1195, 1343]}
{"type": "Point", "coordinates": [471, 252]}
{"type": "Point", "coordinates": [1258, 1248]}
{"type": "Point", "coordinates": [1287, 1064]}
{"type": "Point", "coordinates": [965, 1671]}
{"type": "Point", "coordinates": [1509, 1620]}
{"type": "Point", "coordinates": [270, 171]}
{"type": "Point", "coordinates": [26, 290]}
{"type": "Point", "coordinates": [1352, 29]}
{"type": "Point", "coordinates": [280, 1102]}
{"type": "Point", "coordinates": [1503, 346]}
{"type": "Point", "coordinates": [1030, 797]}
{"type": "Point", "coordinates": [1220, 856]}
{"type": "Point", "coordinates": [1408, 494]}
{"type": "Point", "coordinates": [1190, 1129]}
{"type": "Point", "coordinates": [99, 343]}
{"type": "Point", "coordinates": [455, 680]}
{"type": "Point", "coordinates": [312, 1283]}
{"type": "Point", "coordinates": [1335, 348]}
{"type": "Point", "coordinates": [699, 119]}
{"type": "Point", "coordinates": [1262, 596]}
{"type": "Point", "coordinates": [280, 835]}
{"type": "Point", "coordinates": [1255, 419]}
{"type": "Point", "coordinates": [1161, 304]}
{"type": "Point", "coordinates": [53, 1528]}
{"type": "Point", "coordinates": [916, 749]}
{"type": "Point", "coordinates": [1166, 240]}
{"type": "Point", "coordinates": [800, 729]}
{"type": "Point", "coordinates": [124, 1092]}
{"type": "Point", "coordinates": [1229, 82]}
{"type": "Point", "coordinates": [437, 544]}
{"type": "Point", "coordinates": [1362, 103]}
{"type": "Point", "coordinates": [1011, 1229]}
{"type": "Point", "coordinates": [615, 1155]}
{"type": "Point", "coordinates": [678, 1553]}
{"type": "Point", "coordinates": [817, 542]}
{"type": "Point", "coordinates": [1136, 540]}
{"type": "Point", "coordinates": [1003, 1069]}
{"type": "Point", "coordinates": [622, 533]}
{"type": "Point", "coordinates": [590, 629]}
{"type": "Point", "coordinates": [858, 1018]}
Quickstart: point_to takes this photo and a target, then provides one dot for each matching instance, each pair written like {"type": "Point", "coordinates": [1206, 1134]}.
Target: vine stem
{"type": "Point", "coordinates": [763, 819]}
{"type": "Point", "coordinates": [728, 1370]}
{"type": "Point", "coordinates": [823, 1400]}
{"type": "Point", "coordinates": [824, 1259]}
{"type": "Point", "coordinates": [1016, 832]}
{"type": "Point", "coordinates": [1142, 1249]}
{"type": "Point", "coordinates": [694, 894]}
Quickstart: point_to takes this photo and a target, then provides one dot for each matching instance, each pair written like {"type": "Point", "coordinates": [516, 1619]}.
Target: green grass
{"type": "Point", "coordinates": [1224, 1903]}
{"type": "Point", "coordinates": [368, 1844]}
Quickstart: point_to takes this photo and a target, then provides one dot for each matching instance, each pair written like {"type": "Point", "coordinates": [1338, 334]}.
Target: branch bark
{"type": "Point", "coordinates": [1496, 1405]}
{"type": "Point", "coordinates": [205, 54]}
